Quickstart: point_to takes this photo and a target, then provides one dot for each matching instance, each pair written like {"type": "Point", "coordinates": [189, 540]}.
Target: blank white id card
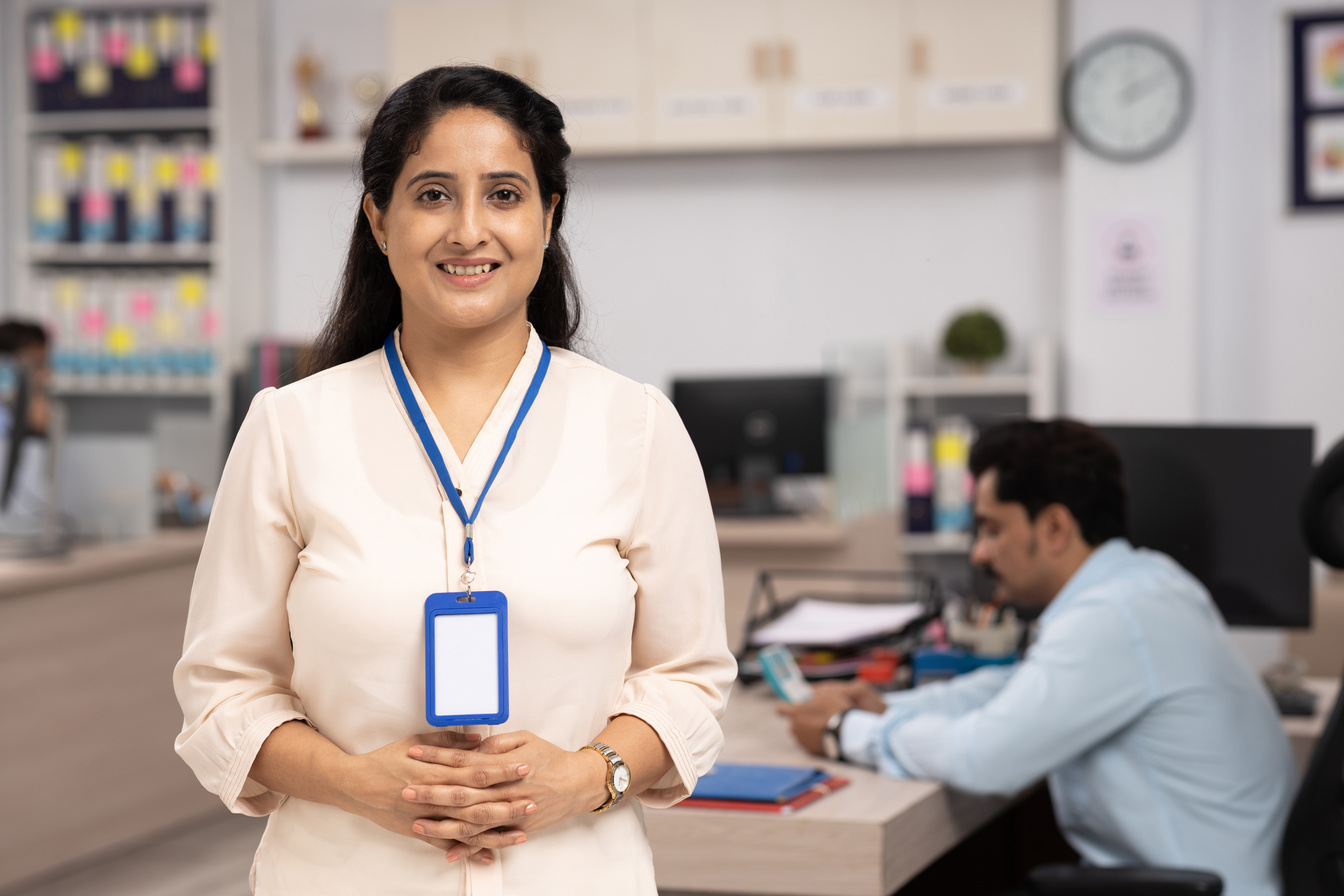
{"type": "Point", "coordinates": [466, 659]}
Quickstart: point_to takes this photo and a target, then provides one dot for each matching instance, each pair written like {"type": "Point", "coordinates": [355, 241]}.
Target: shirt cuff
{"type": "Point", "coordinates": [858, 737]}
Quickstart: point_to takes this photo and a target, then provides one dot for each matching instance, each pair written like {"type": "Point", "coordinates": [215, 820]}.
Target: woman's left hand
{"type": "Point", "coordinates": [562, 784]}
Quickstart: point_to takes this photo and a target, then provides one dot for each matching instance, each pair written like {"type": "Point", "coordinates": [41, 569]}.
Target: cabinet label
{"type": "Point", "coordinates": [597, 108]}
{"type": "Point", "coordinates": [861, 98]}
{"type": "Point", "coordinates": [710, 105]}
{"type": "Point", "coordinates": [983, 94]}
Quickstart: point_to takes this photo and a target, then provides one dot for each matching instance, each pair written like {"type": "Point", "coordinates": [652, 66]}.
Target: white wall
{"type": "Point", "coordinates": [1273, 303]}
{"type": "Point", "coordinates": [691, 264]}
{"type": "Point", "coordinates": [757, 262]}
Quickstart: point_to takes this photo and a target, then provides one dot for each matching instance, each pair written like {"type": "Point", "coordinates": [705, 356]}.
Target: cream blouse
{"type": "Point", "coordinates": [329, 530]}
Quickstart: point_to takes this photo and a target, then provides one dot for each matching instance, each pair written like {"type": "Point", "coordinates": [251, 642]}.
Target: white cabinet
{"type": "Point", "coordinates": [713, 73]}
{"type": "Point", "coordinates": [707, 75]}
{"type": "Point", "coordinates": [840, 70]}
{"type": "Point", "coordinates": [982, 70]}
{"type": "Point", "coordinates": [584, 54]}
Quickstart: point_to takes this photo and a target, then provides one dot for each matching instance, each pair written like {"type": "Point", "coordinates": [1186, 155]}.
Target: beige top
{"type": "Point", "coordinates": [330, 528]}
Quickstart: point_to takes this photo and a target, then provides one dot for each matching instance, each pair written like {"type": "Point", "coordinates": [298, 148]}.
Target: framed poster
{"type": "Point", "coordinates": [1318, 110]}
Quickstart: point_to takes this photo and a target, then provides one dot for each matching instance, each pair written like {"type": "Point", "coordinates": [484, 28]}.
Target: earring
{"type": "Point", "coordinates": [546, 245]}
{"type": "Point", "coordinates": [383, 244]}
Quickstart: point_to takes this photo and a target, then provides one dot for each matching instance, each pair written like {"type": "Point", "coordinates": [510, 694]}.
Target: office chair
{"type": "Point", "coordinates": [1311, 855]}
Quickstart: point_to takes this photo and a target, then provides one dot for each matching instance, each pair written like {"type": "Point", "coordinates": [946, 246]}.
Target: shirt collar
{"type": "Point", "coordinates": [1101, 565]}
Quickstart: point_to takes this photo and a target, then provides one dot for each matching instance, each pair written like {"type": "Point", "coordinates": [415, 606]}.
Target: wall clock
{"type": "Point", "coordinates": [1128, 96]}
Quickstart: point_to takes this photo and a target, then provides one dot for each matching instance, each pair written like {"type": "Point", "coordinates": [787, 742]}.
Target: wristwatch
{"type": "Point", "coordinates": [618, 774]}
{"type": "Point", "coordinates": [830, 736]}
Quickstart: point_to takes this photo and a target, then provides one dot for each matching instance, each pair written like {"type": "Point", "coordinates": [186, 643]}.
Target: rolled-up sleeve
{"type": "Point", "coordinates": [233, 681]}
{"type": "Point", "coordinates": [681, 669]}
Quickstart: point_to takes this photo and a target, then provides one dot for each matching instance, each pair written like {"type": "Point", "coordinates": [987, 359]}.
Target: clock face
{"type": "Point", "coordinates": [1127, 97]}
{"type": "Point", "coordinates": [621, 778]}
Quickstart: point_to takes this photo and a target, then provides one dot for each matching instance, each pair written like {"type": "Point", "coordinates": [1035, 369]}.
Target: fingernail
{"type": "Point", "coordinates": [472, 735]}
{"type": "Point", "coordinates": [418, 828]}
{"type": "Point", "coordinates": [522, 770]}
{"type": "Point", "coordinates": [531, 807]}
{"type": "Point", "coordinates": [417, 752]}
{"type": "Point", "coordinates": [521, 838]}
{"type": "Point", "coordinates": [451, 858]}
{"type": "Point", "coordinates": [409, 793]}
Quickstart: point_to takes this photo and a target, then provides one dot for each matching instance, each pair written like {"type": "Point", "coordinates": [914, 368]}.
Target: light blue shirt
{"type": "Point", "coordinates": [1162, 747]}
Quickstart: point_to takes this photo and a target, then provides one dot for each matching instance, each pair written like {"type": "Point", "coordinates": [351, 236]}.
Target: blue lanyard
{"type": "Point", "coordinates": [432, 449]}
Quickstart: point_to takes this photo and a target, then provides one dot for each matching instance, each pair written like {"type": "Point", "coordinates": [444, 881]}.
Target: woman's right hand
{"type": "Point", "coordinates": [376, 784]}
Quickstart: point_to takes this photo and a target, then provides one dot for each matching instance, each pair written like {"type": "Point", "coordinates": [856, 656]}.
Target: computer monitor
{"type": "Point", "coordinates": [1223, 502]}
{"type": "Point", "coordinates": [748, 431]}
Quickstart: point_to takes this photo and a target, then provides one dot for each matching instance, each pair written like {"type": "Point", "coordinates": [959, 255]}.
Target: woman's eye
{"type": "Point", "coordinates": [504, 194]}
{"type": "Point", "coordinates": [433, 195]}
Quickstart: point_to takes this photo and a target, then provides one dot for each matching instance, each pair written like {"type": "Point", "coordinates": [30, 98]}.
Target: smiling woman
{"type": "Point", "coordinates": [354, 506]}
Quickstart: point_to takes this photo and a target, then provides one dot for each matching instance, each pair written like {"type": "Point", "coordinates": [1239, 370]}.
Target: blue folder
{"type": "Point", "coordinates": [757, 783]}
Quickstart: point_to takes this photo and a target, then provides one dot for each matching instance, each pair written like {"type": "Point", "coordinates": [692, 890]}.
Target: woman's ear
{"type": "Point", "coordinates": [375, 216]}
{"type": "Point", "coordinates": [550, 214]}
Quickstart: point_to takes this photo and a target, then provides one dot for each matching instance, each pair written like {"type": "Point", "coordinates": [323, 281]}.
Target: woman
{"type": "Point", "coordinates": [303, 674]}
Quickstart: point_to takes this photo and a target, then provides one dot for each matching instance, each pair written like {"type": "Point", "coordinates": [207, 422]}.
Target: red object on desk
{"type": "Point", "coordinates": [810, 795]}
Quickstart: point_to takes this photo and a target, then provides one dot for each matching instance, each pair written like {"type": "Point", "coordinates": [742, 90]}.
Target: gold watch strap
{"type": "Point", "coordinates": [611, 757]}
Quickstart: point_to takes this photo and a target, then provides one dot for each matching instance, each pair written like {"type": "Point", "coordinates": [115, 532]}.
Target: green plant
{"type": "Point", "coordinates": [975, 337]}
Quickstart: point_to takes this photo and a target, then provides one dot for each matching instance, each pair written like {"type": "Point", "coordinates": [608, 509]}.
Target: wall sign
{"type": "Point", "coordinates": [1318, 110]}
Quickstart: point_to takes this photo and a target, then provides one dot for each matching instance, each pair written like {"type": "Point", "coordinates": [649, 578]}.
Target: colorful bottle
{"type": "Point", "coordinates": [97, 221]}
{"type": "Point", "coordinates": [189, 212]}
{"type": "Point", "coordinates": [141, 64]}
{"type": "Point", "coordinates": [952, 480]}
{"type": "Point", "coordinates": [93, 76]}
{"type": "Point", "coordinates": [47, 220]}
{"type": "Point", "coordinates": [144, 193]}
{"type": "Point", "coordinates": [188, 69]}
{"type": "Point", "coordinates": [44, 65]}
{"type": "Point", "coordinates": [72, 182]}
{"type": "Point", "coordinates": [918, 479]}
{"type": "Point", "coordinates": [66, 27]}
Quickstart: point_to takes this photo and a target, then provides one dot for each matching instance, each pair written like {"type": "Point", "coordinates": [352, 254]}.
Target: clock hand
{"type": "Point", "coordinates": [1134, 92]}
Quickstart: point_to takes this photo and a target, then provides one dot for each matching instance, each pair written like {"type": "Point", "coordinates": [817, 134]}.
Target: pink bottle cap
{"type": "Point", "coordinates": [188, 74]}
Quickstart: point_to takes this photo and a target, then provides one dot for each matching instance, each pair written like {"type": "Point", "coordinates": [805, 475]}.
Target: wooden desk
{"type": "Point", "coordinates": [1303, 731]}
{"type": "Point", "coordinates": [866, 839]}
{"type": "Point", "coordinates": [87, 648]}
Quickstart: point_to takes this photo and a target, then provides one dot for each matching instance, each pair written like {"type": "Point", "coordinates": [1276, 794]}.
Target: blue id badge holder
{"type": "Point", "coordinates": [466, 658]}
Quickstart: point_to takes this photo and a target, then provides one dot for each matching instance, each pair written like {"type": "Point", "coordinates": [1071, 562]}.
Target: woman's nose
{"type": "Point", "coordinates": [467, 226]}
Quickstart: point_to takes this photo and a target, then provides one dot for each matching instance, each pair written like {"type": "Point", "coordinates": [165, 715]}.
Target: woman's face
{"type": "Point", "coordinates": [466, 227]}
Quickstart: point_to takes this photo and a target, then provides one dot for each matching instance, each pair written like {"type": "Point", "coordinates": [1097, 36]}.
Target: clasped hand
{"type": "Point", "coordinates": [468, 796]}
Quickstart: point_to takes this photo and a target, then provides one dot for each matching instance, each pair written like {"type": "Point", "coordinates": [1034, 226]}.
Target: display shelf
{"type": "Point", "coordinates": [147, 387]}
{"type": "Point", "coordinates": [779, 532]}
{"type": "Point", "coordinates": [118, 121]}
{"type": "Point", "coordinates": [308, 152]}
{"type": "Point", "coordinates": [924, 543]}
{"type": "Point", "coordinates": [130, 254]}
{"type": "Point", "coordinates": [968, 385]}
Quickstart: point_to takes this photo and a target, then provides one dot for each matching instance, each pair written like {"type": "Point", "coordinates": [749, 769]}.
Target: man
{"type": "Point", "coordinates": [1161, 746]}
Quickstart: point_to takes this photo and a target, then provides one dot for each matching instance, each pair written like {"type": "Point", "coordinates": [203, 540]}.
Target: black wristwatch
{"type": "Point", "coordinates": [830, 736]}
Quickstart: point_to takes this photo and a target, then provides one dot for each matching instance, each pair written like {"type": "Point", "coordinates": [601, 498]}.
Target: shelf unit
{"type": "Point", "coordinates": [921, 387]}
{"type": "Point", "coordinates": [109, 407]}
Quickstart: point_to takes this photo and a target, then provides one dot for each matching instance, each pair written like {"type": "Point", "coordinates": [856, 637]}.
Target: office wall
{"type": "Point", "coordinates": [717, 262]}
{"type": "Point", "coordinates": [1273, 297]}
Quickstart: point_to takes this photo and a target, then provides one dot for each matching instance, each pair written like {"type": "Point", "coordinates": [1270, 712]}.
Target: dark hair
{"type": "Point", "coordinates": [1040, 463]}
{"type": "Point", "coordinates": [16, 335]}
{"type": "Point", "coordinates": [368, 305]}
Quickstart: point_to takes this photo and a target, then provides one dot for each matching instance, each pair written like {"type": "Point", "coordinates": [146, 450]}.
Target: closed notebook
{"type": "Point", "coordinates": [756, 783]}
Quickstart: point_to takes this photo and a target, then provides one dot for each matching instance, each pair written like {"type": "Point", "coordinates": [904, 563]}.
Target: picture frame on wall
{"type": "Point", "coordinates": [1317, 54]}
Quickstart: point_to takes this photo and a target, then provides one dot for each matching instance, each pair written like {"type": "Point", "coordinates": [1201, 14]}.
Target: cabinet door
{"type": "Point", "coordinates": [427, 34]}
{"type": "Point", "coordinates": [840, 66]}
{"type": "Point", "coordinates": [712, 72]}
{"type": "Point", "coordinates": [586, 55]}
{"type": "Point", "coordinates": [982, 70]}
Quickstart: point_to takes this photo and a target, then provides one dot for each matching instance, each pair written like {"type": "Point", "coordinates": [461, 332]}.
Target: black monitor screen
{"type": "Point", "coordinates": [1223, 502]}
{"type": "Point", "coordinates": [744, 428]}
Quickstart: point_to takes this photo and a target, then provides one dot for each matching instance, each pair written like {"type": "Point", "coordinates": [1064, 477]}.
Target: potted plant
{"type": "Point", "coordinates": [975, 338]}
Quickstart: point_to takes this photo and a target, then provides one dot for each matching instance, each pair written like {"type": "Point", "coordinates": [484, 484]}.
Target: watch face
{"type": "Point", "coordinates": [1127, 97]}
{"type": "Point", "coordinates": [620, 778]}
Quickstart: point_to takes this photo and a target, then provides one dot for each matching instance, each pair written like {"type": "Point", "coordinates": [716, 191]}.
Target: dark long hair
{"type": "Point", "coordinates": [368, 306]}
